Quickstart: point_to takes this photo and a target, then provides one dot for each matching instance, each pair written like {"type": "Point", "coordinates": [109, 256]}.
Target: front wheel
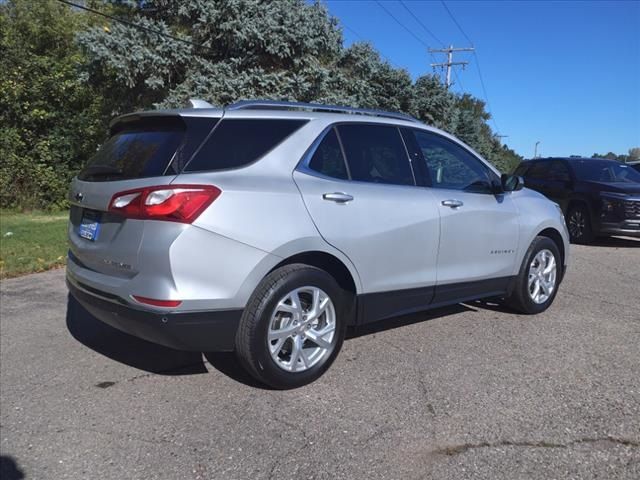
{"type": "Point", "coordinates": [579, 225]}
{"type": "Point", "coordinates": [293, 326]}
{"type": "Point", "coordinates": [539, 277]}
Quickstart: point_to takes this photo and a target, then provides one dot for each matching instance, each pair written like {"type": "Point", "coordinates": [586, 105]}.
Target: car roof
{"type": "Point", "coordinates": [274, 109]}
{"type": "Point", "coordinates": [570, 159]}
{"type": "Point", "coordinates": [328, 114]}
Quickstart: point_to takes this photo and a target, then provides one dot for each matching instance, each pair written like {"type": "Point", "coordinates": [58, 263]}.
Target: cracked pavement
{"type": "Point", "coordinates": [465, 392]}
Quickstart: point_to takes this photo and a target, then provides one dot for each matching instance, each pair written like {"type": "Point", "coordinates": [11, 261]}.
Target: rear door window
{"type": "Point", "coordinates": [328, 159]}
{"type": "Point", "coordinates": [539, 171]}
{"type": "Point", "coordinates": [559, 172]}
{"type": "Point", "coordinates": [136, 149]}
{"type": "Point", "coordinates": [238, 142]}
{"type": "Point", "coordinates": [376, 154]}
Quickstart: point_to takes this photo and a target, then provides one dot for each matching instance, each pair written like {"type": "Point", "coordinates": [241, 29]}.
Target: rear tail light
{"type": "Point", "coordinates": [175, 203]}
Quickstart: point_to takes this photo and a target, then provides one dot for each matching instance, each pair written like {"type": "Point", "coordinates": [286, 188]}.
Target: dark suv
{"type": "Point", "coordinates": [598, 197]}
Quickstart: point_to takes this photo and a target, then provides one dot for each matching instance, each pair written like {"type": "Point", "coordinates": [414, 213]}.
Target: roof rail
{"type": "Point", "coordinates": [197, 103]}
{"type": "Point", "coordinates": [315, 107]}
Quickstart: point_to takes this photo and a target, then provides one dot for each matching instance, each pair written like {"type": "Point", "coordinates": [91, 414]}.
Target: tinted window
{"type": "Point", "coordinates": [605, 171]}
{"type": "Point", "coordinates": [235, 143]}
{"type": "Point", "coordinates": [521, 169]}
{"type": "Point", "coordinates": [558, 171]}
{"type": "Point", "coordinates": [375, 153]}
{"type": "Point", "coordinates": [328, 158]}
{"type": "Point", "coordinates": [539, 171]}
{"type": "Point", "coordinates": [451, 166]}
{"type": "Point", "coordinates": [136, 149]}
{"type": "Point", "coordinates": [197, 130]}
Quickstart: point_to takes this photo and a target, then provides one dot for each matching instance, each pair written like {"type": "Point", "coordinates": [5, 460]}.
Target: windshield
{"type": "Point", "coordinates": [608, 171]}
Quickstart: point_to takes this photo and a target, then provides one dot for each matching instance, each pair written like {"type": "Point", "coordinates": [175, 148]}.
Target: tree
{"type": "Point", "coordinates": [49, 121]}
{"type": "Point", "coordinates": [286, 50]}
{"type": "Point", "coordinates": [67, 72]}
{"type": "Point", "coordinates": [227, 51]}
{"type": "Point", "coordinates": [612, 156]}
{"type": "Point", "coordinates": [634, 154]}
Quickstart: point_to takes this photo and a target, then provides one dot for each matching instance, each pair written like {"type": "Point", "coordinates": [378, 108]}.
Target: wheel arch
{"type": "Point", "coordinates": [556, 237]}
{"type": "Point", "coordinates": [327, 262]}
{"type": "Point", "coordinates": [578, 201]}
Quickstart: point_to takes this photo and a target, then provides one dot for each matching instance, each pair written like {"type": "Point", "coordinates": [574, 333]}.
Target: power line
{"type": "Point", "coordinates": [484, 90]}
{"type": "Point", "coordinates": [456, 22]}
{"type": "Point", "coordinates": [134, 25]}
{"type": "Point", "coordinates": [387, 59]}
{"type": "Point", "coordinates": [402, 24]}
{"type": "Point", "coordinates": [352, 30]}
{"type": "Point", "coordinates": [477, 63]}
{"type": "Point", "coordinates": [422, 24]}
{"type": "Point", "coordinates": [425, 28]}
{"type": "Point", "coordinates": [408, 30]}
{"type": "Point", "coordinates": [429, 32]}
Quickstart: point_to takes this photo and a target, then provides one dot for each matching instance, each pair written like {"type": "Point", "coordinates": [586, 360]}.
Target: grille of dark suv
{"type": "Point", "coordinates": [632, 208]}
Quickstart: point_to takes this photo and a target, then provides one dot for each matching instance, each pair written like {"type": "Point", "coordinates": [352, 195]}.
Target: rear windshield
{"type": "Point", "coordinates": [605, 171]}
{"type": "Point", "coordinates": [238, 142]}
{"type": "Point", "coordinates": [139, 149]}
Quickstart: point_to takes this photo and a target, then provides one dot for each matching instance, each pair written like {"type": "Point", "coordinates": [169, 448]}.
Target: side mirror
{"type": "Point", "coordinates": [511, 183]}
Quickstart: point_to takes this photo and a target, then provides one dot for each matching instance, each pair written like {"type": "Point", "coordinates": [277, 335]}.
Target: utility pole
{"type": "Point", "coordinates": [535, 150]}
{"type": "Point", "coordinates": [500, 137]}
{"type": "Point", "coordinates": [449, 63]}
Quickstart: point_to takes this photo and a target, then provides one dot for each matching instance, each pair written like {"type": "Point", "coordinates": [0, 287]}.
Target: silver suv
{"type": "Point", "coordinates": [267, 228]}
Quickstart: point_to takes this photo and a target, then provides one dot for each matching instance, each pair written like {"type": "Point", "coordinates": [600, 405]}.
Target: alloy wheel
{"type": "Point", "coordinates": [302, 329]}
{"type": "Point", "coordinates": [577, 224]}
{"type": "Point", "coordinates": [542, 276]}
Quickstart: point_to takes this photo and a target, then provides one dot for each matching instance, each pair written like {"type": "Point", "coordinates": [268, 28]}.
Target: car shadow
{"type": "Point", "coordinates": [493, 304]}
{"type": "Point", "coordinates": [620, 242]}
{"type": "Point", "coordinates": [157, 359]}
{"type": "Point", "coordinates": [405, 320]}
{"type": "Point", "coordinates": [9, 469]}
{"type": "Point", "coordinates": [127, 349]}
{"type": "Point", "coordinates": [228, 364]}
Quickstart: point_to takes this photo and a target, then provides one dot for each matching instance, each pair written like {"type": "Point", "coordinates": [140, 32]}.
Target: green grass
{"type": "Point", "coordinates": [32, 242]}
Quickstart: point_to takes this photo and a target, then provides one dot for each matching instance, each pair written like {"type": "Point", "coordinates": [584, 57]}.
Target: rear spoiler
{"type": "Point", "coordinates": [196, 109]}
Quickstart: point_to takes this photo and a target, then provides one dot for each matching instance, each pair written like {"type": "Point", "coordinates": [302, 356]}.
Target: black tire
{"type": "Point", "coordinates": [251, 339]}
{"type": "Point", "coordinates": [579, 224]}
{"type": "Point", "coordinates": [520, 299]}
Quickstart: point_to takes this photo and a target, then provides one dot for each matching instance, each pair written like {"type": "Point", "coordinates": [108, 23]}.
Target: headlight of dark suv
{"type": "Point", "coordinates": [612, 204]}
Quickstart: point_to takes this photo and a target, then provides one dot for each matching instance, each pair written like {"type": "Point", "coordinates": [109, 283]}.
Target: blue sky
{"type": "Point", "coordinates": [564, 73]}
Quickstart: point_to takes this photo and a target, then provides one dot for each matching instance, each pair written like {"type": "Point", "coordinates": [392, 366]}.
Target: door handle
{"type": "Point", "coordinates": [337, 197]}
{"type": "Point", "coordinates": [452, 203]}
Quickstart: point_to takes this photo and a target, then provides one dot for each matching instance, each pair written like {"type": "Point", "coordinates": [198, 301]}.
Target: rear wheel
{"type": "Point", "coordinates": [293, 326]}
{"type": "Point", "coordinates": [579, 224]}
{"type": "Point", "coordinates": [537, 282]}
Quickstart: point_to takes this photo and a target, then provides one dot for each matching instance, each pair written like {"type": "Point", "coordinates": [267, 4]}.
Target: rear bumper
{"type": "Point", "coordinates": [201, 331]}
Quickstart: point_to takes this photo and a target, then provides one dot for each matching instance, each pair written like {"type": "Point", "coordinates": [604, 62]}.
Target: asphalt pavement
{"type": "Point", "coordinates": [472, 391]}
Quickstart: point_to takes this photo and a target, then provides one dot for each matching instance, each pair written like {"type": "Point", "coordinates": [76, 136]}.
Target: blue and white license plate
{"type": "Point", "coordinates": [90, 225]}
